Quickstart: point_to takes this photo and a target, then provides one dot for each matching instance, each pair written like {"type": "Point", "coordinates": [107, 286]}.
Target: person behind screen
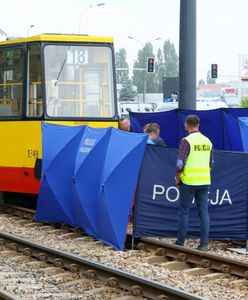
{"type": "Point", "coordinates": [124, 124]}
{"type": "Point", "coordinates": [193, 178]}
{"type": "Point", "coordinates": [153, 131]}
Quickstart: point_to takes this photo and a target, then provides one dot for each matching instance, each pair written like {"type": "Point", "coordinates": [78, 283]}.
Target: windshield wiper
{"type": "Point", "coordinates": [60, 71]}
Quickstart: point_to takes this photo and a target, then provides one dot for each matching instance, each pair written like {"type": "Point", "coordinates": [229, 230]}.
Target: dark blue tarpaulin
{"type": "Point", "coordinates": [243, 124]}
{"type": "Point", "coordinates": [89, 178]}
{"type": "Point", "coordinates": [220, 125]}
{"type": "Point", "coordinates": [156, 208]}
{"type": "Point", "coordinates": [231, 133]}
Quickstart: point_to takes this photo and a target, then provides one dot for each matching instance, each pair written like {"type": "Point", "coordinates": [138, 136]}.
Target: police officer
{"type": "Point", "coordinates": [194, 164]}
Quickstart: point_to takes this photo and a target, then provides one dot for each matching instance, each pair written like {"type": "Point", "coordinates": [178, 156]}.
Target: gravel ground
{"type": "Point", "coordinates": [31, 279]}
{"type": "Point", "coordinates": [131, 261]}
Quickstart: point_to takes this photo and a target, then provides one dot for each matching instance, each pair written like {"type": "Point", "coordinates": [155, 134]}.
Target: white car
{"type": "Point", "coordinates": [210, 103]}
{"type": "Point", "coordinates": [204, 103]}
{"type": "Point", "coordinates": [124, 108]}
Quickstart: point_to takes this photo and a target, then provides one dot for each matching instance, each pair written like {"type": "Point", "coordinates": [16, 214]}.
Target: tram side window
{"type": "Point", "coordinates": [11, 82]}
{"type": "Point", "coordinates": [34, 90]}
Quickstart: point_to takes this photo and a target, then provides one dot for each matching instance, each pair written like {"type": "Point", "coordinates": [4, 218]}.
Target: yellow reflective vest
{"type": "Point", "coordinates": [197, 167]}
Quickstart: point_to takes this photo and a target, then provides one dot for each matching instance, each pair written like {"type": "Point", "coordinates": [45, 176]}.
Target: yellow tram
{"type": "Point", "coordinates": [63, 79]}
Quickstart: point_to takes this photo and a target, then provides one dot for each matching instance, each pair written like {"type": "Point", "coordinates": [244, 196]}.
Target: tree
{"type": "Point", "coordinates": [167, 64]}
{"type": "Point", "coordinates": [160, 71]}
{"type": "Point", "coordinates": [244, 102]}
{"type": "Point", "coordinates": [121, 62]}
{"type": "Point", "coordinates": [171, 61]}
{"type": "Point", "coordinates": [210, 80]}
{"type": "Point", "coordinates": [139, 76]}
{"type": "Point", "coordinates": [201, 82]}
{"type": "Point", "coordinates": [127, 92]}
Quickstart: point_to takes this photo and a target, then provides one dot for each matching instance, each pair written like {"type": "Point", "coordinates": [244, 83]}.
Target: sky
{"type": "Point", "coordinates": [221, 25]}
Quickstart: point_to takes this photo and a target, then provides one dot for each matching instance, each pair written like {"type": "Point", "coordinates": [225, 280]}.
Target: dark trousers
{"type": "Point", "coordinates": [187, 193]}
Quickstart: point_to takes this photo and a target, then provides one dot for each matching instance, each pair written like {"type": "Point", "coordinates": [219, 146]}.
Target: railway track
{"type": "Point", "coordinates": [25, 213]}
{"type": "Point", "coordinates": [113, 278]}
{"type": "Point", "coordinates": [162, 249]}
{"type": "Point", "coordinates": [197, 258]}
{"type": "Point", "coordinates": [7, 296]}
{"type": "Point", "coordinates": [210, 270]}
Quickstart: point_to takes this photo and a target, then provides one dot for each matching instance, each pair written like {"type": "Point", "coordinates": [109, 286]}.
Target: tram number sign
{"type": "Point", "coordinates": [77, 56]}
{"type": "Point", "coordinates": [33, 153]}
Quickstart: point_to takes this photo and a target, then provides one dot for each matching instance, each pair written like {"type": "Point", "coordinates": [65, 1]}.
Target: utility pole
{"type": "Point", "coordinates": [187, 55]}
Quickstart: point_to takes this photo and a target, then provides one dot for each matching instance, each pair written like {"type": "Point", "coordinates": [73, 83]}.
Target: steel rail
{"type": "Point", "coordinates": [137, 285]}
{"type": "Point", "coordinates": [7, 296]}
{"type": "Point", "coordinates": [204, 259]}
{"type": "Point", "coordinates": [18, 209]}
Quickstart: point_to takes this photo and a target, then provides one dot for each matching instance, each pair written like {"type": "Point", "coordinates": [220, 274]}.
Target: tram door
{"type": "Point", "coordinates": [34, 90]}
{"type": "Point", "coordinates": [92, 93]}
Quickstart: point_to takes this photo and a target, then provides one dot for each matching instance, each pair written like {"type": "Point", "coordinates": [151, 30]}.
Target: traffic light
{"type": "Point", "coordinates": [214, 71]}
{"type": "Point", "coordinates": [150, 64]}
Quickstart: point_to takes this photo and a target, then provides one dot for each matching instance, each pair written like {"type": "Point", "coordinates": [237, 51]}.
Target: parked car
{"type": "Point", "coordinates": [124, 108]}
{"type": "Point", "coordinates": [204, 103]}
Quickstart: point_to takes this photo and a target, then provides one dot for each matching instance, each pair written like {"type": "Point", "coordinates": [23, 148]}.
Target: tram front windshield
{"type": "Point", "coordinates": [79, 81]}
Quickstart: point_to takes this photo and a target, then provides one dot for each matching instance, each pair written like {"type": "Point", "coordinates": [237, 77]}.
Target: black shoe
{"type": "Point", "coordinates": [202, 248]}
